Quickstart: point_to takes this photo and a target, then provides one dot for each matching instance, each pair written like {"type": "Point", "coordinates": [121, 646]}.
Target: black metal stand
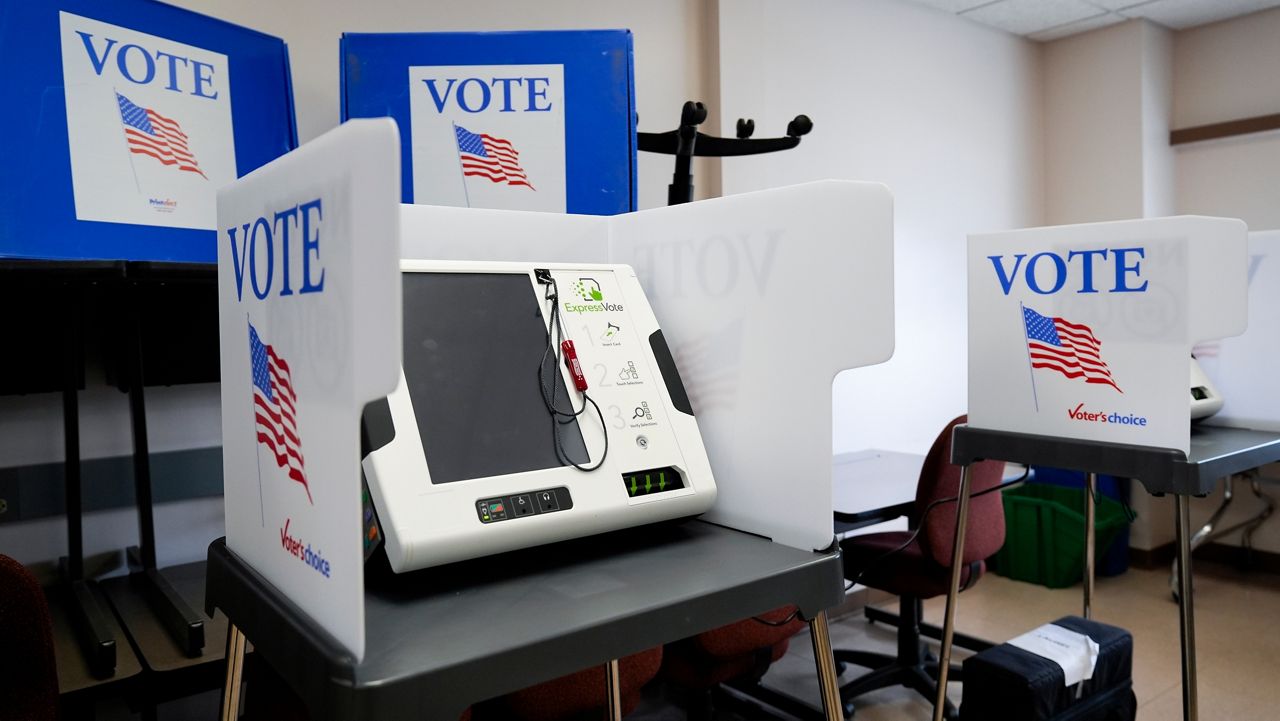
{"type": "Point", "coordinates": [185, 625]}
{"type": "Point", "coordinates": [88, 616]}
{"type": "Point", "coordinates": [686, 142]}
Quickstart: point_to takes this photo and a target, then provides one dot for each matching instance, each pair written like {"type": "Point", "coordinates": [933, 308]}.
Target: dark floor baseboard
{"type": "Point", "coordinates": [1162, 556]}
{"type": "Point", "coordinates": [1149, 558]}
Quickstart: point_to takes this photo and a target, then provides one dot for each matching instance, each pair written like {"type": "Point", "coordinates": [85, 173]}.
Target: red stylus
{"type": "Point", "coordinates": [575, 368]}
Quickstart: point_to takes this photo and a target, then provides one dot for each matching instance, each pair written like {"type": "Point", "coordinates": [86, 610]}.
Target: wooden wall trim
{"type": "Point", "coordinates": [1230, 128]}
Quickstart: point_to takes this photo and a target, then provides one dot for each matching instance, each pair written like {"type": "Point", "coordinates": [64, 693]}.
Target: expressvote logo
{"type": "Point", "coordinates": [588, 289]}
{"type": "Point", "coordinates": [148, 119]}
{"type": "Point", "coordinates": [488, 136]}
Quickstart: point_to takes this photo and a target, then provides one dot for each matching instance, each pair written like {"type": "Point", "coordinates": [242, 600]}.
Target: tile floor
{"type": "Point", "coordinates": [1238, 640]}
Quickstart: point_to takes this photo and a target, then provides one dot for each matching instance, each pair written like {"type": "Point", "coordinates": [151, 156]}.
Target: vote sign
{"type": "Point", "coordinates": [538, 120]}
{"type": "Point", "coordinates": [501, 126]}
{"type": "Point", "coordinates": [309, 320]}
{"type": "Point", "coordinates": [148, 125]}
{"type": "Point", "coordinates": [123, 119]}
{"type": "Point", "coordinates": [1085, 331]}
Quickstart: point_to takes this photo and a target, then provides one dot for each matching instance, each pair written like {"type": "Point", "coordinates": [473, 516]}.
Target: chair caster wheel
{"type": "Point", "coordinates": [849, 710]}
{"type": "Point", "coordinates": [840, 668]}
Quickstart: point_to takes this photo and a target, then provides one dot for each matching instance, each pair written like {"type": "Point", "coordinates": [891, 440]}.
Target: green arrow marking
{"type": "Point", "coordinates": [648, 483]}
{"type": "Point", "coordinates": [662, 481]}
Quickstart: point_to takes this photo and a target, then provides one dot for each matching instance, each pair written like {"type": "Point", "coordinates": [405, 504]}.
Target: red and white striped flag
{"type": "Point", "coordinates": [150, 133]}
{"type": "Point", "coordinates": [275, 408]}
{"type": "Point", "coordinates": [1068, 348]}
{"type": "Point", "coordinates": [489, 157]}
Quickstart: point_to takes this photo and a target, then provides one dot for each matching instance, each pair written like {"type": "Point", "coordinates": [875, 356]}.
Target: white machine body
{"type": "Point", "coordinates": [1205, 398]}
{"type": "Point", "coordinates": [431, 507]}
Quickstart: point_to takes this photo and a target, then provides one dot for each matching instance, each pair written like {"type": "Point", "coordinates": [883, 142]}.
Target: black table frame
{"type": "Point", "coordinates": [123, 279]}
{"type": "Point", "coordinates": [672, 581]}
{"type": "Point", "coordinates": [1215, 453]}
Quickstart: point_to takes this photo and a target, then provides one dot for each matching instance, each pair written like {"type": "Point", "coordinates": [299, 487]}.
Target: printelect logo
{"type": "Point", "coordinates": [1120, 419]}
{"type": "Point", "coordinates": [302, 551]}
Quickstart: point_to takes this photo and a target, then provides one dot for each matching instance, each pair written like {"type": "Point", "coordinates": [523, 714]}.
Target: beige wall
{"type": "Point", "coordinates": [947, 113]}
{"type": "Point", "coordinates": [1228, 71]}
{"type": "Point", "coordinates": [1093, 126]}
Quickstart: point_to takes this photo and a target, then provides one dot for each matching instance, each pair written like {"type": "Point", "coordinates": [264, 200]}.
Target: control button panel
{"type": "Point", "coordinates": [519, 505]}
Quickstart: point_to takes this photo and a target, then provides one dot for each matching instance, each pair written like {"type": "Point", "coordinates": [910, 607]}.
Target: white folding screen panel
{"type": "Point", "coordinates": [309, 321]}
{"type": "Point", "coordinates": [764, 297]}
{"type": "Point", "coordinates": [446, 233]}
{"type": "Point", "coordinates": [1243, 369]}
{"type": "Point", "coordinates": [1084, 331]}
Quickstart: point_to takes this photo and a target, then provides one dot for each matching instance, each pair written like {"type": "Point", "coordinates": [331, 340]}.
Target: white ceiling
{"type": "Point", "coordinates": [1053, 19]}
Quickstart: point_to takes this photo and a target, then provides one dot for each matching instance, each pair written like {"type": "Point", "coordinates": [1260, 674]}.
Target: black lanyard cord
{"type": "Point", "coordinates": [555, 332]}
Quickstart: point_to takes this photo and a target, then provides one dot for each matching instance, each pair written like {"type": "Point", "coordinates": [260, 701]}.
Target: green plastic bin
{"type": "Point", "coordinates": [1044, 533]}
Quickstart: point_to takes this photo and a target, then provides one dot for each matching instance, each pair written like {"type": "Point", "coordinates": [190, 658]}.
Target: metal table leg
{"type": "Point", "coordinates": [235, 671]}
{"type": "Point", "coordinates": [1186, 608]}
{"type": "Point", "coordinates": [1212, 530]}
{"type": "Point", "coordinates": [1090, 550]}
{"type": "Point", "coordinates": [828, 685]}
{"type": "Point", "coordinates": [957, 565]}
{"type": "Point", "coordinates": [613, 694]}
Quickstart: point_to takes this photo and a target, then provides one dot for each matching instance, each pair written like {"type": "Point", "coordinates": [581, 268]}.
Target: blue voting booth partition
{"type": "Point", "coordinates": [121, 121]}
{"type": "Point", "coordinates": [539, 120]}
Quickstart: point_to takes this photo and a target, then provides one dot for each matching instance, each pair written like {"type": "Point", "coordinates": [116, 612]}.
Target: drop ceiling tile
{"type": "Point", "coordinates": [1023, 17]}
{"type": "Point", "coordinates": [1079, 26]}
{"type": "Point", "coordinates": [1114, 5]}
{"type": "Point", "coordinates": [953, 6]}
{"type": "Point", "coordinates": [1182, 14]}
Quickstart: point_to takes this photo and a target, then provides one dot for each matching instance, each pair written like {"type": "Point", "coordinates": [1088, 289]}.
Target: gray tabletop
{"type": "Point", "coordinates": [440, 639]}
{"type": "Point", "coordinates": [1216, 452]}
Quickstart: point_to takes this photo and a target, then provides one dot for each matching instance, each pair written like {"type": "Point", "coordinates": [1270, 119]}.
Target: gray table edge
{"type": "Point", "coordinates": [320, 670]}
{"type": "Point", "coordinates": [1216, 452]}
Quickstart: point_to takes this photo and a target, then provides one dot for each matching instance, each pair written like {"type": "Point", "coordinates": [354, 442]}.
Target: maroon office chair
{"type": "Point", "coordinates": [28, 675]}
{"type": "Point", "coordinates": [579, 695]}
{"type": "Point", "coordinates": [922, 569]}
{"type": "Point", "coordinates": [738, 654]}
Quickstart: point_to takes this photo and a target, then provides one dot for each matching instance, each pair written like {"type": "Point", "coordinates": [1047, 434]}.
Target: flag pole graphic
{"type": "Point", "coordinates": [137, 186]}
{"type": "Point", "coordinates": [461, 171]}
{"type": "Point", "coordinates": [257, 455]}
{"type": "Point", "coordinates": [1022, 315]}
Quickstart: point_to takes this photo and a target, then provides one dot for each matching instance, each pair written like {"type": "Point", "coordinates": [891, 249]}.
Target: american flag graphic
{"type": "Point", "coordinates": [275, 408]}
{"type": "Point", "coordinates": [1069, 348]}
{"type": "Point", "coordinates": [490, 157]}
{"type": "Point", "coordinates": [150, 133]}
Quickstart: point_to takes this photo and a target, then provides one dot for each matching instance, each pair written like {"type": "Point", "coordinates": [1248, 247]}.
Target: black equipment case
{"type": "Point", "coordinates": [1006, 682]}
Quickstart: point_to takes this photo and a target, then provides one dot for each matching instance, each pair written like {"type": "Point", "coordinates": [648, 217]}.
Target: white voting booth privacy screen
{"type": "Point", "coordinates": [1085, 331]}
{"type": "Point", "coordinates": [1243, 368]}
{"type": "Point", "coordinates": [763, 298]}
{"type": "Point", "coordinates": [309, 316]}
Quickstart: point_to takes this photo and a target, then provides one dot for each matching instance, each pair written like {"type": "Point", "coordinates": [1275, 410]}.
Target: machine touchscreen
{"type": "Point", "coordinates": [472, 345]}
